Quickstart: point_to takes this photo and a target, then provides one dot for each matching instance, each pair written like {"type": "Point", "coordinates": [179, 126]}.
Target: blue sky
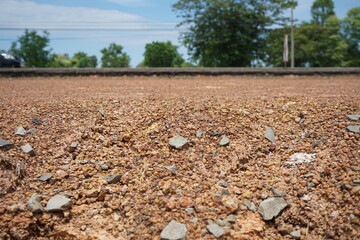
{"type": "Point", "coordinates": [90, 25]}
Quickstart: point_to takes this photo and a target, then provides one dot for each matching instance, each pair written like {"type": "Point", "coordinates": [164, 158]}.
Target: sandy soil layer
{"type": "Point", "coordinates": [125, 123]}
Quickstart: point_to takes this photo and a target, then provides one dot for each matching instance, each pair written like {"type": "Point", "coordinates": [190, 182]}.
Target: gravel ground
{"type": "Point", "coordinates": [102, 166]}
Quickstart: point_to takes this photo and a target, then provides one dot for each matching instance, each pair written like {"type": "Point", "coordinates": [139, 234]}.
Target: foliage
{"type": "Point", "coordinates": [82, 60]}
{"type": "Point", "coordinates": [114, 57]}
{"type": "Point", "coordinates": [33, 48]}
{"type": "Point", "coordinates": [162, 54]}
{"type": "Point", "coordinates": [60, 61]}
{"type": "Point", "coordinates": [352, 34]}
{"type": "Point", "coordinates": [315, 46]}
{"type": "Point", "coordinates": [224, 33]}
{"type": "Point", "coordinates": [79, 60]}
{"type": "Point", "coordinates": [322, 10]}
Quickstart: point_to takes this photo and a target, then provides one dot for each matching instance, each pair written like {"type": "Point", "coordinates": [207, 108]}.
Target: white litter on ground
{"type": "Point", "coordinates": [299, 158]}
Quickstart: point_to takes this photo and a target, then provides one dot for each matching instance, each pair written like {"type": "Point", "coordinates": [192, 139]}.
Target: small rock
{"type": "Point", "coordinates": [45, 177]}
{"type": "Point", "coordinates": [28, 149]}
{"type": "Point", "coordinates": [189, 210]}
{"type": "Point", "coordinates": [224, 184]}
{"type": "Point", "coordinates": [172, 169]}
{"type": "Point", "coordinates": [306, 198]}
{"type": "Point", "coordinates": [194, 220]}
{"type": "Point", "coordinates": [225, 192]}
{"type": "Point", "coordinates": [230, 202]}
{"type": "Point", "coordinates": [250, 205]}
{"type": "Point", "coordinates": [310, 184]}
{"type": "Point", "coordinates": [352, 217]}
{"type": "Point", "coordinates": [299, 120]}
{"type": "Point", "coordinates": [173, 231]}
{"type": "Point", "coordinates": [272, 207]}
{"type": "Point", "coordinates": [213, 134]}
{"type": "Point", "coordinates": [356, 181]}
{"type": "Point", "coordinates": [296, 234]}
{"type": "Point", "coordinates": [199, 134]}
{"type": "Point", "coordinates": [221, 223]}
{"type": "Point", "coordinates": [73, 146]}
{"type": "Point", "coordinates": [85, 161]}
{"type": "Point", "coordinates": [102, 112]}
{"type": "Point", "coordinates": [353, 117]}
{"type": "Point", "coordinates": [178, 142]}
{"type": "Point", "coordinates": [65, 167]}
{"type": "Point", "coordinates": [231, 218]}
{"type": "Point", "coordinates": [34, 204]}
{"type": "Point", "coordinates": [309, 175]}
{"type": "Point", "coordinates": [104, 167]}
{"type": "Point", "coordinates": [36, 120]}
{"type": "Point", "coordinates": [277, 193]}
{"type": "Point", "coordinates": [354, 129]}
{"type": "Point", "coordinates": [334, 214]}
{"type": "Point", "coordinates": [32, 130]}
{"type": "Point", "coordinates": [20, 131]}
{"type": "Point", "coordinates": [224, 141]}
{"type": "Point", "coordinates": [215, 230]}
{"type": "Point", "coordinates": [299, 158]}
{"type": "Point", "coordinates": [4, 143]}
{"type": "Point", "coordinates": [269, 134]}
{"type": "Point", "coordinates": [112, 178]}
{"type": "Point", "coordinates": [58, 203]}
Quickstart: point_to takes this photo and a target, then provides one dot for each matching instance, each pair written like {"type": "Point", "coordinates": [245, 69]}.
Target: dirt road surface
{"type": "Point", "coordinates": [123, 180]}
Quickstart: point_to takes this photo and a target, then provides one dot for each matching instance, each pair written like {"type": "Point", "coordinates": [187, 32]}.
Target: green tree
{"type": "Point", "coordinates": [114, 57]}
{"type": "Point", "coordinates": [352, 33]}
{"type": "Point", "coordinates": [33, 48]}
{"type": "Point", "coordinates": [223, 33]}
{"type": "Point", "coordinates": [316, 46]}
{"type": "Point", "coordinates": [162, 54]}
{"type": "Point", "coordinates": [322, 10]}
{"type": "Point", "coordinates": [82, 60]}
{"type": "Point", "coordinates": [60, 61]}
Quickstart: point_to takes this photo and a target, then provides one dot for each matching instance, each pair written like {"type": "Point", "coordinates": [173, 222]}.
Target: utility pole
{"type": "Point", "coordinates": [292, 38]}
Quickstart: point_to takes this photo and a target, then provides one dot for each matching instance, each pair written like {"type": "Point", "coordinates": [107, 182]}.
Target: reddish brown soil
{"type": "Point", "coordinates": [141, 114]}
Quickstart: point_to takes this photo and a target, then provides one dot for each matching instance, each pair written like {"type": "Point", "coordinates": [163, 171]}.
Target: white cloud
{"type": "Point", "coordinates": [130, 2]}
{"type": "Point", "coordinates": [27, 14]}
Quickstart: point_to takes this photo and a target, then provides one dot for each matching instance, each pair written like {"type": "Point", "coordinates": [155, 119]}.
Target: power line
{"type": "Point", "coordinates": [92, 29]}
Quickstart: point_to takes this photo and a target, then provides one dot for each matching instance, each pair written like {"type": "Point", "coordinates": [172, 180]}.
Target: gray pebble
{"type": "Point", "coordinates": [34, 204]}
{"type": "Point", "coordinates": [353, 117]}
{"type": "Point", "coordinates": [277, 193]}
{"type": "Point", "coordinates": [20, 131]}
{"type": "Point", "coordinates": [354, 129]}
{"type": "Point", "coordinates": [178, 142]}
{"type": "Point", "coordinates": [199, 134]}
{"type": "Point", "coordinates": [231, 218]}
{"type": "Point", "coordinates": [272, 207]}
{"type": "Point", "coordinates": [295, 235]}
{"type": "Point", "coordinates": [112, 178]}
{"type": "Point", "coordinates": [4, 143]}
{"type": "Point", "coordinates": [224, 184]}
{"type": "Point", "coordinates": [173, 231]}
{"type": "Point", "coordinates": [28, 149]}
{"type": "Point", "coordinates": [224, 141]}
{"type": "Point", "coordinates": [104, 167]}
{"type": "Point", "coordinates": [58, 203]}
{"type": "Point", "coordinates": [189, 210]}
{"type": "Point", "coordinates": [269, 134]}
{"type": "Point", "coordinates": [215, 230]}
{"type": "Point", "coordinates": [45, 177]}
{"type": "Point", "coordinates": [250, 205]}
{"type": "Point", "coordinates": [172, 169]}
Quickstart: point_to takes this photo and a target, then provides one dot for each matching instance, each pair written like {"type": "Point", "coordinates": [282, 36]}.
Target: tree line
{"type": "Point", "coordinates": [223, 33]}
